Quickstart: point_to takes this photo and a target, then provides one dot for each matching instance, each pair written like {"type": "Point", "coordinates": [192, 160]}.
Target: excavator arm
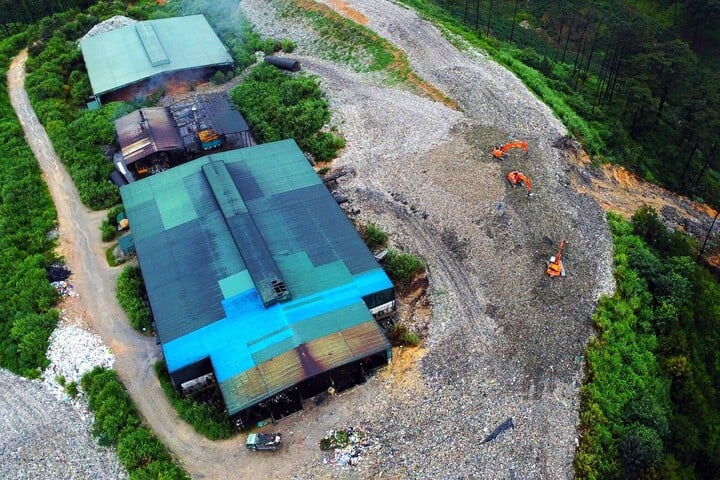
{"type": "Point", "coordinates": [555, 266]}
{"type": "Point", "coordinates": [500, 150]}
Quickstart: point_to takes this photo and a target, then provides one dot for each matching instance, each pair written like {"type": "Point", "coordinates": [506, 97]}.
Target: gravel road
{"type": "Point", "coordinates": [504, 340]}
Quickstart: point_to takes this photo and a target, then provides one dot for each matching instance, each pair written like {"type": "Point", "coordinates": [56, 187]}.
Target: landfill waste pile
{"type": "Point", "coordinates": [348, 446]}
{"type": "Point", "coordinates": [73, 351]}
{"type": "Point", "coordinates": [64, 289]}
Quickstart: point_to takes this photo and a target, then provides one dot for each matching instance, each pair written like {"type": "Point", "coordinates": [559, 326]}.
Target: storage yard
{"type": "Point", "coordinates": [502, 340]}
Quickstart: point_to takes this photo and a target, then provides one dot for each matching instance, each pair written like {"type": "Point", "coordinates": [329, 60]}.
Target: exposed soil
{"type": "Point", "coordinates": [501, 338]}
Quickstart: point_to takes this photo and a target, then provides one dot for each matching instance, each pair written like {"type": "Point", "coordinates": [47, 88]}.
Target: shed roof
{"type": "Point", "coordinates": [129, 54]}
{"type": "Point", "coordinates": [147, 131]}
{"type": "Point", "coordinates": [249, 261]}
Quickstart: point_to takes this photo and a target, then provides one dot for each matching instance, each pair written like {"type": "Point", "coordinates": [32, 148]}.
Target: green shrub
{"type": "Point", "coordinates": [132, 297]}
{"type": "Point", "coordinates": [108, 231]}
{"type": "Point", "coordinates": [204, 418]}
{"type": "Point", "coordinates": [117, 423]}
{"type": "Point", "coordinates": [139, 448]}
{"type": "Point", "coordinates": [640, 448]}
{"type": "Point", "coordinates": [287, 45]}
{"type": "Point", "coordinates": [375, 237]}
{"type": "Point", "coordinates": [401, 266]}
{"type": "Point", "coordinates": [278, 105]}
{"type": "Point", "coordinates": [72, 389]}
{"type": "Point", "coordinates": [400, 335]}
{"type": "Point", "coordinates": [110, 256]}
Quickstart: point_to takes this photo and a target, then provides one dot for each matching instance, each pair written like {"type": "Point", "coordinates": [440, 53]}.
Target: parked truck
{"type": "Point", "coordinates": [263, 441]}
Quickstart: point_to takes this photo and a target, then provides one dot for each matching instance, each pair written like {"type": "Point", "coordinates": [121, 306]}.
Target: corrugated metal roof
{"type": "Point", "coordinates": [202, 268]}
{"type": "Point", "coordinates": [147, 131]}
{"type": "Point", "coordinates": [128, 54]}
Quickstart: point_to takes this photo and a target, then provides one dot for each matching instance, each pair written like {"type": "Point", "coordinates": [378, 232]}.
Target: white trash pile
{"type": "Point", "coordinates": [72, 352]}
{"type": "Point", "coordinates": [348, 446]}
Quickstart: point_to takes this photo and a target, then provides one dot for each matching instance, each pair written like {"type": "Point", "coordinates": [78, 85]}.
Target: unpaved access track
{"type": "Point", "coordinates": [504, 340]}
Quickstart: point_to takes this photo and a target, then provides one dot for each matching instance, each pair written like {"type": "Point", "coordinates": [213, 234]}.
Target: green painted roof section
{"type": "Point", "coordinates": [135, 52]}
{"type": "Point", "coordinates": [264, 214]}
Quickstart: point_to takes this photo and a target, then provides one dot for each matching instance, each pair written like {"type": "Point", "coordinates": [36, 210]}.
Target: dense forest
{"type": "Point", "coordinates": [635, 81]}
{"type": "Point", "coordinates": [641, 75]}
{"type": "Point", "coordinates": [651, 403]}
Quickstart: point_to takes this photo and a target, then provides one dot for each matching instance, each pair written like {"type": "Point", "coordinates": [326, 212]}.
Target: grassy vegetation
{"type": "Point", "coordinates": [117, 423]}
{"type": "Point", "coordinates": [400, 335]}
{"type": "Point", "coordinates": [401, 267]}
{"type": "Point", "coordinates": [207, 419]}
{"type": "Point", "coordinates": [132, 297]}
{"type": "Point", "coordinates": [374, 236]}
{"type": "Point", "coordinates": [653, 371]}
{"type": "Point", "coordinates": [27, 214]}
{"type": "Point", "coordinates": [348, 42]}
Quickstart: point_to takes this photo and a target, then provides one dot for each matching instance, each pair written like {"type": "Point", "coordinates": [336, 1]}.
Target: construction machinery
{"type": "Point", "coordinates": [209, 139]}
{"type": "Point", "coordinates": [516, 178]}
{"type": "Point", "coordinates": [500, 150]}
{"type": "Point", "coordinates": [555, 266]}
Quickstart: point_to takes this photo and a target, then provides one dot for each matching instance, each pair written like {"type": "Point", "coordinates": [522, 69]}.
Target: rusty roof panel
{"type": "Point", "coordinates": [147, 131]}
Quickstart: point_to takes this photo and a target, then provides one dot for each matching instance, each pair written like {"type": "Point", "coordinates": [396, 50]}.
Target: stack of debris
{"type": "Point", "coordinates": [348, 446]}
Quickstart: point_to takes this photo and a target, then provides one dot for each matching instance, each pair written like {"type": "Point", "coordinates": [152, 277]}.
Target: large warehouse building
{"type": "Point", "coordinates": [121, 57]}
{"type": "Point", "coordinates": [257, 280]}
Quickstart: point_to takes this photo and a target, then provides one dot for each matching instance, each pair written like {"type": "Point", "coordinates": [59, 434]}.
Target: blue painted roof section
{"type": "Point", "coordinates": [249, 328]}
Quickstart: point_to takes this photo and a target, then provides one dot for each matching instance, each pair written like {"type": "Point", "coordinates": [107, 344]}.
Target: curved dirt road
{"type": "Point", "coordinates": [94, 280]}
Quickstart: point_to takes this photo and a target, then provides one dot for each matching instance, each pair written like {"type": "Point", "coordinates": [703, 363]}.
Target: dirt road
{"type": "Point", "coordinates": [94, 280]}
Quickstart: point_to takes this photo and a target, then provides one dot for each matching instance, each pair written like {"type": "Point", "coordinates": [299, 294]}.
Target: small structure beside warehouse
{"type": "Point", "coordinates": [158, 138]}
{"type": "Point", "coordinates": [148, 140]}
{"type": "Point", "coordinates": [257, 280]}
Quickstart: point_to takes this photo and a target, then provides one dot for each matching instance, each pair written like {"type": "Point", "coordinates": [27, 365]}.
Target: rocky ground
{"type": "Point", "coordinates": [504, 340]}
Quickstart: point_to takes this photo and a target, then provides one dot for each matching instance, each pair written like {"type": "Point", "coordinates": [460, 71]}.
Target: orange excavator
{"type": "Point", "coordinates": [516, 178]}
{"type": "Point", "coordinates": [500, 150]}
{"type": "Point", "coordinates": [555, 266]}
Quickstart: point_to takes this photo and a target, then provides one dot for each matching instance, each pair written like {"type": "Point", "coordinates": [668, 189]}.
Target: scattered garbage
{"type": "Point", "coordinates": [64, 289]}
{"type": "Point", "coordinates": [348, 446]}
{"type": "Point", "coordinates": [507, 424]}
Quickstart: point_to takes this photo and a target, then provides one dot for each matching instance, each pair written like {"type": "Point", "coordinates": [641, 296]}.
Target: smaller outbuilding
{"type": "Point", "coordinates": [149, 142]}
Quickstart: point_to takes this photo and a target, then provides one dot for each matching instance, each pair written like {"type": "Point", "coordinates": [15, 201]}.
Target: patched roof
{"type": "Point", "coordinates": [147, 131]}
{"type": "Point", "coordinates": [249, 261]}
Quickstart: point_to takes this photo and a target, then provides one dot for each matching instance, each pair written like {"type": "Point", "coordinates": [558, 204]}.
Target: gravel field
{"type": "Point", "coordinates": [504, 340]}
{"type": "Point", "coordinates": [45, 433]}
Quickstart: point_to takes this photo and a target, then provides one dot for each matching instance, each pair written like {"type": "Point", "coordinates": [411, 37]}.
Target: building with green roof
{"type": "Point", "coordinates": [130, 54]}
{"type": "Point", "coordinates": [257, 280]}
